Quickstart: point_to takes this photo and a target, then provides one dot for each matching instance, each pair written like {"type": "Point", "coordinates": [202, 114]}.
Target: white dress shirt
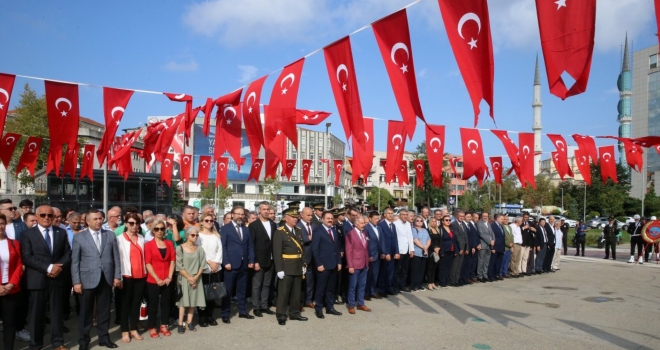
{"type": "Point", "coordinates": [375, 228]}
{"type": "Point", "coordinates": [4, 260]}
{"type": "Point", "coordinates": [558, 238]}
{"type": "Point", "coordinates": [9, 231]}
{"type": "Point", "coordinates": [212, 246]}
{"type": "Point", "coordinates": [267, 227]}
{"type": "Point", "coordinates": [517, 233]}
{"type": "Point", "coordinates": [43, 234]}
{"type": "Point", "coordinates": [404, 237]}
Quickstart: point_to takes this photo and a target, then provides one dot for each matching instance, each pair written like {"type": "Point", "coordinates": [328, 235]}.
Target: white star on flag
{"type": "Point", "coordinates": [435, 150]}
{"type": "Point", "coordinates": [64, 113]}
{"type": "Point", "coordinates": [2, 106]}
{"type": "Point", "coordinates": [117, 123]}
{"type": "Point", "coordinates": [250, 110]}
{"type": "Point", "coordinates": [560, 4]}
{"type": "Point", "coordinates": [284, 92]}
{"type": "Point", "coordinates": [228, 121]}
{"type": "Point", "coordinates": [279, 132]}
{"type": "Point", "coordinates": [344, 87]}
{"type": "Point", "coordinates": [396, 147]}
{"type": "Point", "coordinates": [305, 117]}
{"type": "Point", "coordinates": [474, 151]}
{"type": "Point", "coordinates": [472, 43]}
{"type": "Point", "coordinates": [404, 69]}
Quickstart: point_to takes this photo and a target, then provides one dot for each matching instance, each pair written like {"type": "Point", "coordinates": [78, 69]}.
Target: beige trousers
{"type": "Point", "coordinates": [524, 252]}
{"type": "Point", "coordinates": [515, 259]}
{"type": "Point", "coordinates": [556, 259]}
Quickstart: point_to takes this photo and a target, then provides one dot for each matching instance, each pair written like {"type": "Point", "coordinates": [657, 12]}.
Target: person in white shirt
{"type": "Point", "coordinates": [146, 228]}
{"type": "Point", "coordinates": [516, 251]}
{"type": "Point", "coordinates": [406, 252]}
{"type": "Point", "coordinates": [209, 240]}
{"type": "Point", "coordinates": [558, 245]}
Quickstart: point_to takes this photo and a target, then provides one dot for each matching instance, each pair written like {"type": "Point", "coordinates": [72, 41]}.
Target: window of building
{"type": "Point", "coordinates": [369, 179]}
{"type": "Point", "coordinates": [398, 193]}
{"type": "Point", "coordinates": [381, 178]}
{"type": "Point", "coordinates": [311, 155]}
{"type": "Point", "coordinates": [238, 188]}
{"type": "Point", "coordinates": [311, 141]}
{"type": "Point", "coordinates": [239, 203]}
{"type": "Point", "coordinates": [315, 189]}
{"type": "Point", "coordinates": [460, 188]}
{"type": "Point", "coordinates": [459, 164]}
{"type": "Point", "coordinates": [653, 61]}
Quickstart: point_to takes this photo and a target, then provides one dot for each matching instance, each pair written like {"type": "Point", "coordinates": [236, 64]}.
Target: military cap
{"type": "Point", "coordinates": [611, 217]}
{"type": "Point", "coordinates": [318, 206]}
{"type": "Point", "coordinates": [292, 212]}
{"type": "Point", "coordinates": [294, 204]}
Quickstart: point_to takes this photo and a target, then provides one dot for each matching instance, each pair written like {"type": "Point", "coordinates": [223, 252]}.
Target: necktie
{"type": "Point", "coordinates": [48, 243]}
{"type": "Point", "coordinates": [240, 233]}
{"type": "Point", "coordinates": [392, 228]}
{"type": "Point", "coordinates": [376, 230]}
{"type": "Point", "coordinates": [309, 230]}
{"type": "Point", "coordinates": [331, 237]}
{"type": "Point", "coordinates": [97, 241]}
{"type": "Point", "coordinates": [361, 237]}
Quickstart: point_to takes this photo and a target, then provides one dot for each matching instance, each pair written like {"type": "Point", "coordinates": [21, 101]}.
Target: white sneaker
{"type": "Point", "coordinates": [640, 260]}
{"type": "Point", "coordinates": [23, 335]}
{"type": "Point", "coordinates": [632, 259]}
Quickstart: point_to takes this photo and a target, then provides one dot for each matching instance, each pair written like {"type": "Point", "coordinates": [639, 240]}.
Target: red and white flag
{"type": "Point", "coordinates": [221, 171]}
{"type": "Point", "coordinates": [308, 117]}
{"type": "Point", "coordinates": [203, 170]}
{"type": "Point", "coordinates": [255, 171]}
{"type": "Point", "coordinates": [396, 143]}
{"type": "Point", "coordinates": [473, 155]}
{"type": "Point", "coordinates": [452, 163]}
{"type": "Point", "coordinates": [496, 164]}
{"type": "Point", "coordinates": [184, 166]}
{"type": "Point", "coordinates": [150, 140]}
{"type": "Point", "coordinates": [281, 117]}
{"type": "Point", "coordinates": [208, 110]}
{"type": "Point", "coordinates": [114, 105]}
{"type": "Point", "coordinates": [306, 164]}
{"type": "Point", "coordinates": [567, 31]}
{"type": "Point", "coordinates": [338, 165]}
{"type": "Point", "coordinates": [8, 142]}
{"type": "Point", "coordinates": [607, 163]}
{"type": "Point", "coordinates": [363, 157]}
{"type": "Point", "coordinates": [468, 27]}
{"type": "Point", "coordinates": [71, 162]}
{"type": "Point", "coordinates": [561, 160]}
{"type": "Point", "coordinates": [252, 116]}
{"type": "Point", "coordinates": [393, 38]}
{"type": "Point", "coordinates": [188, 112]}
{"type": "Point", "coordinates": [587, 145]}
{"type": "Point", "coordinates": [228, 129]}
{"type": "Point", "coordinates": [123, 150]}
{"type": "Point", "coordinates": [435, 150]}
{"type": "Point", "coordinates": [327, 162]}
{"type": "Point", "coordinates": [166, 169]}
{"type": "Point", "coordinates": [634, 155]}
{"type": "Point", "coordinates": [63, 120]}
{"type": "Point", "coordinates": [6, 87]}
{"type": "Point", "coordinates": [583, 164]}
{"type": "Point", "coordinates": [402, 174]}
{"type": "Point", "coordinates": [170, 128]}
{"type": "Point", "coordinates": [526, 158]}
{"type": "Point", "coordinates": [287, 168]}
{"type": "Point", "coordinates": [232, 99]}
{"type": "Point", "coordinates": [87, 168]}
{"type": "Point", "coordinates": [509, 146]}
{"type": "Point", "coordinates": [419, 172]}
{"type": "Point", "coordinates": [29, 156]}
{"type": "Point", "coordinates": [562, 166]}
{"type": "Point", "coordinates": [657, 22]}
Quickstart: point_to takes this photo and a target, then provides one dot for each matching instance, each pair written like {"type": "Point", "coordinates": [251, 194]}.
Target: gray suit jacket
{"type": "Point", "coordinates": [485, 234]}
{"type": "Point", "coordinates": [461, 235]}
{"type": "Point", "coordinates": [87, 263]}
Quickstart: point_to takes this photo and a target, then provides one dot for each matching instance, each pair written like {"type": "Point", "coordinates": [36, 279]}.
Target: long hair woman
{"type": "Point", "coordinates": [433, 260]}
{"type": "Point", "coordinates": [134, 276]}
{"type": "Point", "coordinates": [160, 261]}
{"type": "Point", "coordinates": [209, 240]}
{"type": "Point", "coordinates": [11, 267]}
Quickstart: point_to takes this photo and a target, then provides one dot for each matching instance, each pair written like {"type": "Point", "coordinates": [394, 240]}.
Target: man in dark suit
{"type": "Point", "coordinates": [327, 258]}
{"type": "Point", "coordinates": [459, 229]}
{"type": "Point", "coordinates": [307, 229]}
{"type": "Point", "coordinates": [95, 269]}
{"type": "Point", "coordinates": [541, 245]}
{"type": "Point", "coordinates": [341, 287]}
{"type": "Point", "coordinates": [46, 253]}
{"type": "Point", "coordinates": [389, 246]}
{"type": "Point", "coordinates": [528, 229]}
{"type": "Point", "coordinates": [375, 252]}
{"type": "Point", "coordinates": [550, 252]}
{"type": "Point", "coordinates": [288, 261]}
{"type": "Point", "coordinates": [426, 215]}
{"type": "Point", "coordinates": [468, 271]}
{"type": "Point", "coordinates": [319, 208]}
{"type": "Point", "coordinates": [237, 257]}
{"type": "Point", "coordinates": [261, 234]}
{"type": "Point", "coordinates": [495, 264]}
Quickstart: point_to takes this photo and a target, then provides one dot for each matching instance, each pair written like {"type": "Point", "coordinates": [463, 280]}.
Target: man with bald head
{"type": "Point", "coordinates": [46, 253]}
{"type": "Point", "coordinates": [113, 217]}
{"type": "Point", "coordinates": [306, 227]}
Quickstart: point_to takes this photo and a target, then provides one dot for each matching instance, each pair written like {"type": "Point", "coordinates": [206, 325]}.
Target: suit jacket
{"type": "Point", "coordinates": [239, 253]}
{"type": "Point", "coordinates": [342, 238]}
{"type": "Point", "coordinates": [263, 245]}
{"type": "Point", "coordinates": [448, 242]}
{"type": "Point", "coordinates": [307, 242]}
{"type": "Point", "coordinates": [375, 248]}
{"type": "Point", "coordinates": [461, 236]}
{"type": "Point", "coordinates": [485, 234]}
{"type": "Point", "coordinates": [347, 227]}
{"type": "Point", "coordinates": [634, 229]}
{"type": "Point", "coordinates": [326, 252]}
{"type": "Point", "coordinates": [528, 235]}
{"type": "Point", "coordinates": [539, 236]}
{"type": "Point", "coordinates": [36, 256]}
{"type": "Point", "coordinates": [315, 220]}
{"type": "Point", "coordinates": [550, 231]}
{"type": "Point", "coordinates": [15, 265]}
{"type": "Point", "coordinates": [284, 242]}
{"type": "Point", "coordinates": [473, 235]}
{"type": "Point", "coordinates": [498, 231]}
{"type": "Point", "coordinates": [388, 241]}
{"type": "Point", "coordinates": [19, 227]}
{"type": "Point", "coordinates": [87, 263]}
{"type": "Point", "coordinates": [357, 250]}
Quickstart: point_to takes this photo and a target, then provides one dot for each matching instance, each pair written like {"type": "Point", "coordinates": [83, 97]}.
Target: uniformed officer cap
{"type": "Point", "coordinates": [611, 217]}
{"type": "Point", "coordinates": [294, 204]}
{"type": "Point", "coordinates": [337, 212]}
{"type": "Point", "coordinates": [318, 206]}
{"type": "Point", "coordinates": [292, 212]}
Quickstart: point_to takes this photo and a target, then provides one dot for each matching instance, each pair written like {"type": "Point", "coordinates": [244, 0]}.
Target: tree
{"type": "Point", "coordinates": [177, 198]}
{"type": "Point", "coordinates": [542, 195]}
{"type": "Point", "coordinates": [651, 203]}
{"type": "Point", "coordinates": [386, 198]}
{"type": "Point", "coordinates": [337, 200]}
{"type": "Point", "coordinates": [208, 195]}
{"type": "Point", "coordinates": [430, 195]}
{"type": "Point", "coordinates": [271, 187]}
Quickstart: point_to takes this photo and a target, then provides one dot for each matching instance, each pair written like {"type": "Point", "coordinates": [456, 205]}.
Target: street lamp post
{"type": "Point", "coordinates": [562, 198]}
{"type": "Point", "coordinates": [584, 205]}
{"type": "Point", "coordinates": [325, 155]}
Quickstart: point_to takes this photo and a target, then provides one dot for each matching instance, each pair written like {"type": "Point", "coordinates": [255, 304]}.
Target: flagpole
{"type": "Point", "coordinates": [105, 188]}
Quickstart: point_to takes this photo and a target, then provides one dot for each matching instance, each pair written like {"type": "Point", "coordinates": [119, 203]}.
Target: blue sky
{"type": "Point", "coordinates": [209, 48]}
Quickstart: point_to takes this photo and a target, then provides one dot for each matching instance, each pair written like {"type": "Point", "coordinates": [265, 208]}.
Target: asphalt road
{"type": "Point", "coordinates": [590, 303]}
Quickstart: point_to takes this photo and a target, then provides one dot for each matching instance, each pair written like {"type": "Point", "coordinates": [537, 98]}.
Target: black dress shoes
{"type": "Point", "coordinates": [226, 320]}
{"type": "Point", "coordinates": [367, 297]}
{"type": "Point", "coordinates": [109, 345]}
{"type": "Point", "coordinates": [257, 313]}
{"type": "Point", "coordinates": [211, 321]}
{"type": "Point", "coordinates": [298, 318]}
{"type": "Point", "coordinates": [268, 311]}
{"type": "Point", "coordinates": [282, 322]}
{"type": "Point", "coordinates": [246, 316]}
{"type": "Point", "coordinates": [407, 290]}
{"type": "Point", "coordinates": [203, 322]}
{"type": "Point", "coordinates": [319, 314]}
{"type": "Point", "coordinates": [333, 312]}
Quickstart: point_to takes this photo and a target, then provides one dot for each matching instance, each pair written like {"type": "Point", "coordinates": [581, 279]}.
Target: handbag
{"type": "Point", "coordinates": [143, 310]}
{"type": "Point", "coordinates": [436, 257]}
{"type": "Point", "coordinates": [214, 291]}
{"type": "Point", "coordinates": [179, 290]}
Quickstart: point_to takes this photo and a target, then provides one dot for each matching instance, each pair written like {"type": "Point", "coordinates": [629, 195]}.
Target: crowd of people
{"type": "Point", "coordinates": [179, 265]}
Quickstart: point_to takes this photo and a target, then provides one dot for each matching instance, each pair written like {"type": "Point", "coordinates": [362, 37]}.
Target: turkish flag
{"type": "Point", "coordinates": [124, 148]}
{"type": "Point", "coordinates": [275, 151]}
{"type": "Point", "coordinates": [114, 105]}
{"type": "Point", "coordinates": [150, 140]}
{"type": "Point", "coordinates": [468, 28]}
{"type": "Point", "coordinates": [208, 109]}
{"type": "Point", "coordinates": [393, 37]}
{"type": "Point", "coordinates": [281, 117]}
{"type": "Point", "coordinates": [307, 164]}
{"type": "Point", "coordinates": [583, 164]}
{"type": "Point", "coordinates": [327, 162]}
{"type": "Point", "coordinates": [561, 165]}
{"type": "Point", "coordinates": [6, 87]}
{"type": "Point", "coordinates": [203, 170]}
{"type": "Point", "coordinates": [87, 168]}
{"type": "Point", "coordinates": [188, 121]}
{"type": "Point", "coordinates": [182, 98]}
{"type": "Point", "coordinates": [496, 164]}
{"type": "Point", "coordinates": [255, 172]}
{"type": "Point", "coordinates": [509, 145]}
{"type": "Point", "coordinates": [308, 117]}
{"type": "Point", "coordinates": [184, 165]}
{"type": "Point", "coordinates": [435, 150]}
{"type": "Point", "coordinates": [287, 168]}
{"type": "Point", "coordinates": [647, 141]}
{"type": "Point", "coordinates": [271, 166]}
{"type": "Point", "coordinates": [473, 154]}
{"type": "Point", "coordinates": [607, 163]}
{"type": "Point", "coordinates": [29, 156]}
{"type": "Point", "coordinates": [419, 171]}
{"type": "Point", "coordinates": [396, 143]}
{"type": "Point", "coordinates": [341, 72]}
{"type": "Point", "coordinates": [657, 20]}
{"type": "Point", "coordinates": [71, 162]}
{"type": "Point", "coordinates": [252, 117]}
{"type": "Point", "coordinates": [63, 120]}
{"type": "Point", "coordinates": [8, 142]}
{"type": "Point", "coordinates": [338, 165]}
{"type": "Point", "coordinates": [166, 169]}
{"type": "Point", "coordinates": [567, 38]}
{"type": "Point", "coordinates": [402, 173]}
{"type": "Point", "coordinates": [587, 145]}
{"type": "Point", "coordinates": [633, 152]}
{"type": "Point", "coordinates": [452, 163]}
{"type": "Point", "coordinates": [364, 157]}
{"type": "Point", "coordinates": [167, 136]}
{"type": "Point", "coordinates": [228, 121]}
{"type": "Point", "coordinates": [221, 170]}
{"type": "Point", "coordinates": [526, 158]}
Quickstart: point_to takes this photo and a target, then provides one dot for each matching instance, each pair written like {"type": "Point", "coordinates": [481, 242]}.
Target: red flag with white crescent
{"type": "Point", "coordinates": [452, 163]}
{"type": "Point", "coordinates": [208, 110]}
{"type": "Point", "coordinates": [435, 150]}
{"type": "Point", "coordinates": [281, 115]}
{"type": "Point", "coordinates": [473, 155]}
{"type": "Point", "coordinates": [526, 158]}
{"type": "Point", "coordinates": [63, 120]}
{"type": "Point", "coordinates": [29, 156]}
{"type": "Point", "coordinates": [587, 145]}
{"type": "Point", "coordinates": [634, 154]}
{"type": "Point", "coordinates": [221, 171]}
{"type": "Point", "coordinates": [419, 172]}
{"type": "Point", "coordinates": [607, 163]}
{"type": "Point", "coordinates": [287, 168]}
{"type": "Point", "coordinates": [657, 21]}
{"type": "Point", "coordinates": [468, 28]}
{"type": "Point", "coordinates": [255, 171]}
{"type": "Point", "coordinates": [306, 164]}
{"type": "Point", "coordinates": [308, 117]}
{"type": "Point", "coordinates": [252, 116]}
{"type": "Point", "coordinates": [343, 80]}
{"type": "Point", "coordinates": [402, 173]}
{"type": "Point", "coordinates": [124, 147]}
{"type": "Point", "coordinates": [150, 140]}
{"type": "Point", "coordinates": [8, 142]}
{"type": "Point", "coordinates": [184, 165]}
{"type": "Point", "coordinates": [583, 164]}
{"type": "Point", "coordinates": [186, 126]}
{"type": "Point", "coordinates": [509, 145]}
{"type": "Point", "coordinates": [87, 168]}
{"type": "Point", "coordinates": [71, 162]}
{"type": "Point", "coordinates": [6, 87]}
{"type": "Point", "coordinates": [338, 165]}
{"type": "Point", "coordinates": [203, 170]}
{"type": "Point", "coordinates": [275, 150]}
{"type": "Point", "coordinates": [396, 143]}
{"type": "Point", "coordinates": [166, 137]}
{"type": "Point", "coordinates": [561, 165]}
{"type": "Point", "coordinates": [496, 164]}
{"type": "Point", "coordinates": [327, 162]}
{"type": "Point", "coordinates": [567, 31]}
{"type": "Point", "coordinates": [562, 155]}
{"type": "Point", "coordinates": [363, 157]}
{"type": "Point", "coordinates": [182, 98]}
{"type": "Point", "coordinates": [166, 169]}
{"type": "Point", "coordinates": [228, 129]}
{"type": "Point", "coordinates": [114, 105]}
{"type": "Point", "coordinates": [393, 37]}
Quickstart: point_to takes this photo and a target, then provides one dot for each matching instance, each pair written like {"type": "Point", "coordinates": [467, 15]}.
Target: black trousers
{"type": "Point", "coordinates": [66, 293]}
{"type": "Point", "coordinates": [207, 278]}
{"type": "Point", "coordinates": [445, 268]}
{"type": "Point", "coordinates": [456, 265]}
{"type": "Point", "coordinates": [580, 244]}
{"type": "Point", "coordinates": [564, 243]}
{"type": "Point", "coordinates": [431, 268]}
{"type": "Point", "coordinates": [549, 255]}
{"type": "Point", "coordinates": [325, 289]}
{"type": "Point", "coordinates": [401, 267]}
{"type": "Point", "coordinates": [131, 298]}
{"type": "Point", "coordinates": [417, 269]}
{"type": "Point", "coordinates": [9, 307]}
{"type": "Point", "coordinates": [636, 241]}
{"type": "Point", "coordinates": [38, 300]}
{"type": "Point", "coordinates": [24, 305]}
{"type": "Point", "coordinates": [101, 296]}
{"type": "Point", "coordinates": [158, 297]}
{"type": "Point", "coordinates": [610, 246]}
{"type": "Point", "coordinates": [288, 296]}
{"type": "Point", "coordinates": [310, 277]}
{"type": "Point", "coordinates": [531, 262]}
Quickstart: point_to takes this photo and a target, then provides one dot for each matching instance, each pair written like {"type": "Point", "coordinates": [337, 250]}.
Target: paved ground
{"type": "Point", "coordinates": [590, 304]}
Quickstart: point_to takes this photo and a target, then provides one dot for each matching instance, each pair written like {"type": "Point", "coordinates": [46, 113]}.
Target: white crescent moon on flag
{"type": "Point", "coordinates": [4, 92]}
{"type": "Point", "coordinates": [112, 113]}
{"type": "Point", "coordinates": [471, 142]}
{"type": "Point", "coordinates": [338, 166]}
{"type": "Point", "coordinates": [88, 155]}
{"type": "Point", "coordinates": [178, 97]}
{"type": "Point", "coordinates": [253, 96]}
{"type": "Point", "coordinates": [366, 134]}
{"type": "Point", "coordinates": [342, 67]}
{"type": "Point", "coordinates": [496, 165]}
{"type": "Point", "coordinates": [525, 148]}
{"type": "Point", "coordinates": [397, 136]}
{"type": "Point", "coordinates": [186, 159]}
{"type": "Point", "coordinates": [167, 162]}
{"type": "Point", "coordinates": [403, 167]}
{"type": "Point", "coordinates": [435, 139]}
{"type": "Point", "coordinates": [420, 167]}
{"type": "Point", "coordinates": [470, 16]}
{"type": "Point", "coordinates": [62, 99]}
{"type": "Point", "coordinates": [609, 156]}
{"type": "Point", "coordinates": [305, 166]}
{"type": "Point", "coordinates": [257, 164]}
{"type": "Point", "coordinates": [204, 164]}
{"type": "Point", "coordinates": [289, 76]}
{"type": "Point", "coordinates": [221, 166]}
{"type": "Point", "coordinates": [288, 165]}
{"type": "Point", "coordinates": [315, 117]}
{"type": "Point", "coordinates": [30, 146]}
{"type": "Point", "coordinates": [229, 108]}
{"type": "Point", "coordinates": [12, 140]}
{"type": "Point", "coordinates": [399, 46]}
{"type": "Point", "coordinates": [560, 142]}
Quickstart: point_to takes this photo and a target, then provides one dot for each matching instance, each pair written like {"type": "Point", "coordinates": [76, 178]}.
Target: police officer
{"type": "Point", "coordinates": [635, 230]}
{"type": "Point", "coordinates": [288, 260]}
{"type": "Point", "coordinates": [342, 276]}
{"type": "Point", "coordinates": [609, 233]}
{"type": "Point", "coordinates": [318, 213]}
{"type": "Point", "coordinates": [564, 235]}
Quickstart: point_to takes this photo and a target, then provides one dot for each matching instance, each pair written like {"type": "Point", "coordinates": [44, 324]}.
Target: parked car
{"type": "Point", "coordinates": [571, 223]}
{"type": "Point", "coordinates": [597, 222]}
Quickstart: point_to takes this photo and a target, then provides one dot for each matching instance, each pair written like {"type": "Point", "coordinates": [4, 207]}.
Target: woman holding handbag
{"type": "Point", "coordinates": [422, 243]}
{"type": "Point", "coordinates": [160, 260]}
{"type": "Point", "coordinates": [134, 276]}
{"type": "Point", "coordinates": [448, 251]}
{"type": "Point", "coordinates": [11, 270]}
{"type": "Point", "coordinates": [190, 262]}
{"type": "Point", "coordinates": [434, 249]}
{"type": "Point", "coordinates": [209, 240]}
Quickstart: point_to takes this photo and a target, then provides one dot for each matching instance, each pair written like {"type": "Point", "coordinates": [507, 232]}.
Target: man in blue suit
{"type": "Point", "coordinates": [237, 257]}
{"type": "Point", "coordinates": [307, 228]}
{"type": "Point", "coordinates": [389, 247]}
{"type": "Point", "coordinates": [374, 256]}
{"type": "Point", "coordinates": [468, 273]}
{"type": "Point", "coordinates": [327, 259]}
{"type": "Point", "coordinates": [495, 264]}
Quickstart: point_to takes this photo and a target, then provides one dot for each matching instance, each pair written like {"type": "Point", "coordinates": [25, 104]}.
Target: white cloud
{"type": "Point", "coordinates": [248, 73]}
{"type": "Point", "coordinates": [174, 66]}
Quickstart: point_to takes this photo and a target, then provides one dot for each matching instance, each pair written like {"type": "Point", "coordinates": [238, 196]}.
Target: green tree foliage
{"type": "Point", "coordinates": [208, 195]}
{"type": "Point", "coordinates": [651, 203]}
{"type": "Point", "coordinates": [430, 195]}
{"type": "Point", "coordinates": [177, 198]}
{"type": "Point", "coordinates": [386, 198]}
{"type": "Point", "coordinates": [542, 195]}
{"type": "Point", "coordinates": [337, 201]}
{"type": "Point", "coordinates": [271, 187]}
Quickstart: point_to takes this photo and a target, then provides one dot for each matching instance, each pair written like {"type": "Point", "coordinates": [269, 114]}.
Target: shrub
{"type": "Point", "coordinates": [592, 214]}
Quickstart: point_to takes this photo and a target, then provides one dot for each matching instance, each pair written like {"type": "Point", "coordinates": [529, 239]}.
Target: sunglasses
{"type": "Point", "coordinates": [10, 209]}
{"type": "Point", "coordinates": [43, 215]}
{"type": "Point", "coordinates": [131, 223]}
{"type": "Point", "coordinates": [446, 220]}
{"type": "Point", "coordinates": [158, 229]}
{"type": "Point", "coordinates": [193, 235]}
{"type": "Point", "coordinates": [207, 220]}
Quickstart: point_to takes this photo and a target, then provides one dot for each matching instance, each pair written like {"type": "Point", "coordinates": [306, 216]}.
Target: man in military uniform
{"type": "Point", "coordinates": [342, 277]}
{"type": "Point", "coordinates": [609, 233]}
{"type": "Point", "coordinates": [288, 260]}
{"type": "Point", "coordinates": [564, 237]}
{"type": "Point", "coordinates": [318, 213]}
